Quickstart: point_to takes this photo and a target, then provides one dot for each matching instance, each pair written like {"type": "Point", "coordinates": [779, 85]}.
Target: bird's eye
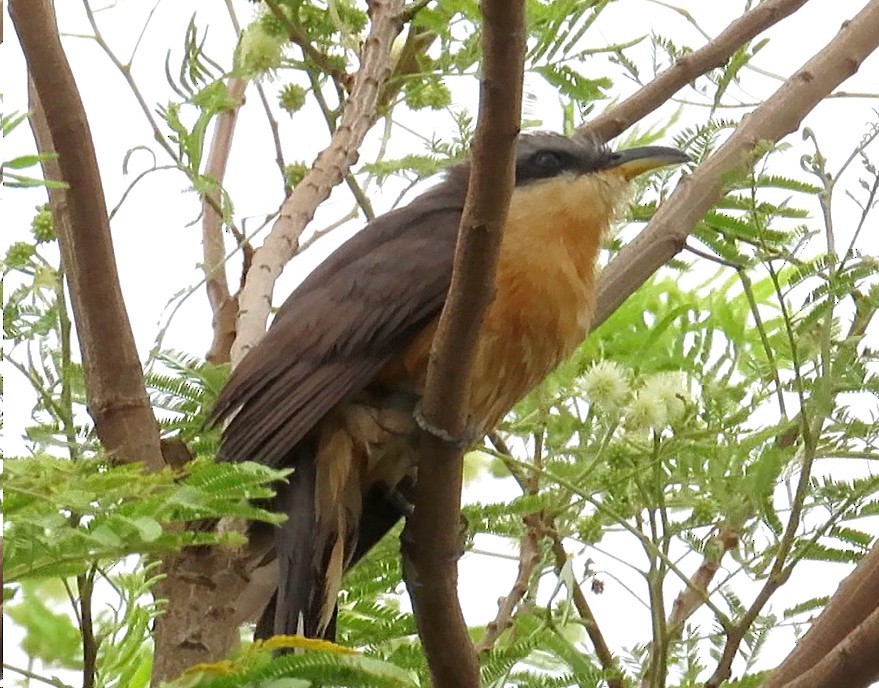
{"type": "Point", "coordinates": [547, 161]}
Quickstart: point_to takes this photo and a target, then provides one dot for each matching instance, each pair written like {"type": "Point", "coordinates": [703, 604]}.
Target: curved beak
{"type": "Point", "coordinates": [635, 161]}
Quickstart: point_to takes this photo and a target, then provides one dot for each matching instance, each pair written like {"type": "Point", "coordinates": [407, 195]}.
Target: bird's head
{"type": "Point", "coordinates": [577, 179]}
{"type": "Point", "coordinates": [545, 157]}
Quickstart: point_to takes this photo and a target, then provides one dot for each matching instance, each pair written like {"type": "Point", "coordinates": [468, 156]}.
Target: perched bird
{"type": "Point", "coordinates": [332, 387]}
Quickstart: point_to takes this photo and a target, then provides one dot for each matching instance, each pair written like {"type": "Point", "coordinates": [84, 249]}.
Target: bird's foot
{"type": "Point", "coordinates": [460, 443]}
{"type": "Point", "coordinates": [399, 501]}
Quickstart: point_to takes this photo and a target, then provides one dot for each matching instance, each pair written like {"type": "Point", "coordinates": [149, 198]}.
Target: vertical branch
{"type": "Point", "coordinates": [85, 584]}
{"type": "Point", "coordinates": [223, 305]}
{"type": "Point", "coordinates": [118, 401]}
{"type": "Point", "coordinates": [432, 542]}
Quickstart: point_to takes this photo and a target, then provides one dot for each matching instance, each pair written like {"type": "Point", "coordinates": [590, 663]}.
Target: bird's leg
{"type": "Point", "coordinates": [460, 443]}
{"type": "Point", "coordinates": [399, 501]}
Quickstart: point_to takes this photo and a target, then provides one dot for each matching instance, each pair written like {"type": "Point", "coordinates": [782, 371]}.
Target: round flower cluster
{"type": "Point", "coordinates": [658, 402]}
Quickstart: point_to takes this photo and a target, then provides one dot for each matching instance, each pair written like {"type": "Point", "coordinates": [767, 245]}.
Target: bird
{"type": "Point", "coordinates": [332, 389]}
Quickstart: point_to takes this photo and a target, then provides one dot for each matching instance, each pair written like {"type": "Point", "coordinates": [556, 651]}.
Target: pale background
{"type": "Point", "coordinates": [158, 255]}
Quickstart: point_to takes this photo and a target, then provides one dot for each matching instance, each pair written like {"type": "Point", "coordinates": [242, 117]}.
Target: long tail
{"type": "Point", "coordinates": [297, 603]}
{"type": "Point", "coordinates": [339, 502]}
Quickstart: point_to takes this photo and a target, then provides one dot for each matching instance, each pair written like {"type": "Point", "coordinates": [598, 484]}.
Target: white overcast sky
{"type": "Point", "coordinates": [158, 254]}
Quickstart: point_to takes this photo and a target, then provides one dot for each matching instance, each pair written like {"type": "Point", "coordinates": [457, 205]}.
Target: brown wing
{"type": "Point", "coordinates": [342, 325]}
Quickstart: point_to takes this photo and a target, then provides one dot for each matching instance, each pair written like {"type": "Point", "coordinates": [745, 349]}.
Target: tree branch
{"type": "Point", "coordinates": [329, 170]}
{"type": "Point", "coordinates": [618, 118]}
{"type": "Point", "coordinates": [853, 663]}
{"type": "Point", "coordinates": [223, 305]}
{"type": "Point", "coordinates": [849, 608]}
{"type": "Point", "coordinates": [694, 594]}
{"type": "Point", "coordinates": [117, 397]}
{"type": "Point", "coordinates": [431, 544]}
{"type": "Point", "coordinates": [613, 675]}
{"type": "Point", "coordinates": [780, 115]}
{"type": "Point", "coordinates": [602, 650]}
{"type": "Point", "coordinates": [296, 34]}
{"type": "Point", "coordinates": [529, 558]}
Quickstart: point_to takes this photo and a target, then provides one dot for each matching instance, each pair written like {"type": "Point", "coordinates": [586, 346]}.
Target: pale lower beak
{"type": "Point", "coordinates": [635, 161]}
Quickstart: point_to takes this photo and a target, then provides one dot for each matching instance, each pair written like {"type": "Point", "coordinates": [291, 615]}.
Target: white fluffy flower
{"type": "Point", "coordinates": [646, 411]}
{"type": "Point", "coordinates": [671, 388]}
{"type": "Point", "coordinates": [606, 385]}
{"type": "Point", "coordinates": [660, 402]}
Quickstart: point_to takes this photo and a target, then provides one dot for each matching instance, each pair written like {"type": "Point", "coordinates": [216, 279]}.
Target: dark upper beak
{"type": "Point", "coordinates": [635, 161]}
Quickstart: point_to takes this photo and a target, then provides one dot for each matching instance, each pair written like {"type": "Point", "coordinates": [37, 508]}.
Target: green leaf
{"type": "Point", "coordinates": [50, 636]}
{"type": "Point", "coordinates": [573, 84]}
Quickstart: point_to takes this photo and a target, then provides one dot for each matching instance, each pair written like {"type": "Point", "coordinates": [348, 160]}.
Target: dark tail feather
{"type": "Point", "coordinates": [379, 515]}
{"type": "Point", "coordinates": [265, 627]}
{"type": "Point", "coordinates": [295, 608]}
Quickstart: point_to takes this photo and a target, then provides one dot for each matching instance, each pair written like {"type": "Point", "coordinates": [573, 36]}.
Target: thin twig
{"type": "Point", "coordinates": [602, 650]}
{"type": "Point", "coordinates": [296, 34]}
{"type": "Point", "coordinates": [57, 682]}
{"type": "Point", "coordinates": [125, 70]}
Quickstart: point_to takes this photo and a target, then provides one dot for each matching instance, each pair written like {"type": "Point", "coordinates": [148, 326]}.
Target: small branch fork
{"type": "Point", "coordinates": [778, 116]}
{"type": "Point", "coordinates": [431, 543]}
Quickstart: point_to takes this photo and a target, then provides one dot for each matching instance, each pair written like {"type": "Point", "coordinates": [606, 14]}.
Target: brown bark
{"type": "Point", "coordinates": [618, 118]}
{"type": "Point", "coordinates": [432, 538]}
{"type": "Point", "coordinates": [853, 663]}
{"type": "Point", "coordinates": [329, 169]}
{"type": "Point", "coordinates": [778, 116]}
{"type": "Point", "coordinates": [849, 608]}
{"type": "Point", "coordinates": [117, 399]}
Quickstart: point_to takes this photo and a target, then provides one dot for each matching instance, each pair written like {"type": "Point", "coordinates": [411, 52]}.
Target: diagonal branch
{"type": "Point", "coordinates": [431, 540]}
{"type": "Point", "coordinates": [529, 558]}
{"type": "Point", "coordinates": [694, 594]}
{"type": "Point", "coordinates": [117, 397]}
{"type": "Point", "coordinates": [328, 171]}
{"type": "Point", "coordinates": [618, 118]}
{"type": "Point", "coordinates": [848, 609]}
{"type": "Point", "coordinates": [780, 115]}
{"type": "Point", "coordinates": [853, 663]}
